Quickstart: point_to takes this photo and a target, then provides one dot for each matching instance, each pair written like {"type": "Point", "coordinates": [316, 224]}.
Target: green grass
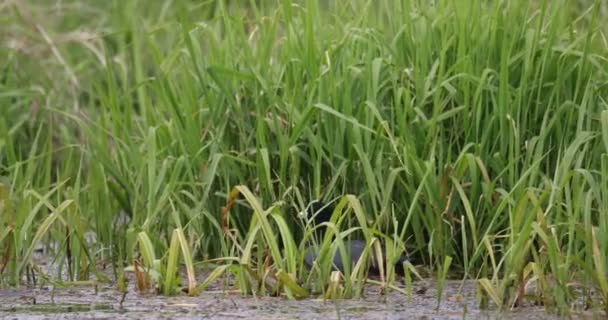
{"type": "Point", "coordinates": [472, 134]}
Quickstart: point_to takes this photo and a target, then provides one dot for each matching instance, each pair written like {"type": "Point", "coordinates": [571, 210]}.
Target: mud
{"type": "Point", "coordinates": [105, 302]}
{"type": "Point", "coordinates": [221, 301]}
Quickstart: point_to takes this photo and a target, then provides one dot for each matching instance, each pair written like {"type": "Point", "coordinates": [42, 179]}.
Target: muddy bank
{"type": "Point", "coordinates": [105, 303]}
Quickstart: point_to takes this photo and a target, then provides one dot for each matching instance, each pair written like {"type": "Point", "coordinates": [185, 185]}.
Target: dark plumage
{"type": "Point", "coordinates": [320, 212]}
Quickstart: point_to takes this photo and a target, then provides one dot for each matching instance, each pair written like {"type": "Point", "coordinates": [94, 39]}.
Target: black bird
{"type": "Point", "coordinates": [321, 212]}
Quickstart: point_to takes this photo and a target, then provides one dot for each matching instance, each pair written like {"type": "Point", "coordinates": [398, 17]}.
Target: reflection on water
{"type": "Point", "coordinates": [459, 302]}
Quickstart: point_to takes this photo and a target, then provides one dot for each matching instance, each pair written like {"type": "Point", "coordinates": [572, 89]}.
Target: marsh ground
{"type": "Point", "coordinates": [85, 303]}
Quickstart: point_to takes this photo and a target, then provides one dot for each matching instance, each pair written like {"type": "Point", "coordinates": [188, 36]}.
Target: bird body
{"type": "Point", "coordinates": [319, 213]}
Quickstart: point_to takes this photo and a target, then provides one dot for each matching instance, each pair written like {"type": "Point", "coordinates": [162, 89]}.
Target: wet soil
{"type": "Point", "coordinates": [105, 302]}
{"type": "Point", "coordinates": [221, 301]}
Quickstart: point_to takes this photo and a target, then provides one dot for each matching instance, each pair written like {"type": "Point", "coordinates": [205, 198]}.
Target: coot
{"type": "Point", "coordinates": [319, 212]}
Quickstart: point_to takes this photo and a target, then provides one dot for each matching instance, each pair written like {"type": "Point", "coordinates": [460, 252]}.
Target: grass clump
{"type": "Point", "coordinates": [473, 134]}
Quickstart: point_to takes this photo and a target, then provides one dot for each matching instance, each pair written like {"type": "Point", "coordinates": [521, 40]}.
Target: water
{"type": "Point", "coordinates": [219, 303]}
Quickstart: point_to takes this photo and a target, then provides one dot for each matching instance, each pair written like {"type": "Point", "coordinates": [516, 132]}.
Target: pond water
{"type": "Point", "coordinates": [221, 301]}
{"type": "Point", "coordinates": [459, 302]}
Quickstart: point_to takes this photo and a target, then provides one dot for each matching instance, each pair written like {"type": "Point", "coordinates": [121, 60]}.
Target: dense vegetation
{"type": "Point", "coordinates": [471, 134]}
